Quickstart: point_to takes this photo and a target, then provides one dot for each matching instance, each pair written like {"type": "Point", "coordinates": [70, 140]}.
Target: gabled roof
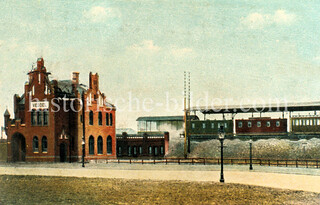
{"type": "Point", "coordinates": [65, 88]}
{"type": "Point", "coordinates": [166, 118]}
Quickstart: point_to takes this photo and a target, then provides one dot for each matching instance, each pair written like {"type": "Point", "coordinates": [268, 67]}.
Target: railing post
{"type": "Point", "coordinates": [130, 161]}
{"type": "Point", "coordinates": [260, 162]}
{"type": "Point", "coordinates": [307, 163]}
{"type": "Point", "coordinates": [166, 161]}
{"type": "Point", "coordinates": [178, 161]}
{"type": "Point", "coordinates": [218, 161]}
{"type": "Point", "coordinates": [296, 163]}
{"type": "Point", "coordinates": [317, 164]}
{"type": "Point", "coordinates": [154, 161]}
{"type": "Point", "coordinates": [277, 163]}
{"type": "Point", "coordinates": [231, 162]}
{"type": "Point", "coordinates": [245, 161]}
{"type": "Point", "coordinates": [192, 161]}
{"type": "Point", "coordinates": [118, 161]}
{"type": "Point", "coordinates": [141, 161]}
{"type": "Point", "coordinates": [106, 161]}
{"type": "Point", "coordinates": [286, 163]}
{"type": "Point", "coordinates": [269, 162]}
{"type": "Point", "coordinates": [204, 161]}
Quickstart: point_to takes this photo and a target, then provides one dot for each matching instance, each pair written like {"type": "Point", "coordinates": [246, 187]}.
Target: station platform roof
{"type": "Point", "coordinates": [274, 107]}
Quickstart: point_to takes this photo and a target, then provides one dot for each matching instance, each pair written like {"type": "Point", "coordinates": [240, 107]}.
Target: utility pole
{"type": "Point", "coordinates": [188, 114]}
{"type": "Point", "coordinates": [185, 116]}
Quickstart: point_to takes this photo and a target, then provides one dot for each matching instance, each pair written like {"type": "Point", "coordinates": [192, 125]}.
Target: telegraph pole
{"type": "Point", "coordinates": [185, 115]}
{"type": "Point", "coordinates": [188, 113]}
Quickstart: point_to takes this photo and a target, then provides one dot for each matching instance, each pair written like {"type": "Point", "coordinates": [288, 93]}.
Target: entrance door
{"type": "Point", "coordinates": [63, 152]}
{"type": "Point", "coordinates": [18, 147]}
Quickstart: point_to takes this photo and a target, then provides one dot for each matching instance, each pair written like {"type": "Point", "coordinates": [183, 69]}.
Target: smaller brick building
{"type": "Point", "coordinates": [145, 145]}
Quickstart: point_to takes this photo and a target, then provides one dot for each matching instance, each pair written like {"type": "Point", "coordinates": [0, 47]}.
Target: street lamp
{"type": "Point", "coordinates": [250, 142]}
{"type": "Point", "coordinates": [83, 151]}
{"type": "Point", "coordinates": [221, 135]}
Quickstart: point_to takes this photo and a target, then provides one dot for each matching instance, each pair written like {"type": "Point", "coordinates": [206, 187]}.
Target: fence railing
{"type": "Point", "coordinates": [307, 163]}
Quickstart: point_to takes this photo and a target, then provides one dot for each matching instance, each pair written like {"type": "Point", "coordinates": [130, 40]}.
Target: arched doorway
{"type": "Point", "coordinates": [18, 147]}
{"type": "Point", "coordinates": [63, 152]}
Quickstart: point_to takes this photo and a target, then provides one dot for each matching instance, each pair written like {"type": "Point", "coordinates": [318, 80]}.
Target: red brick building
{"type": "Point", "coordinates": [49, 120]}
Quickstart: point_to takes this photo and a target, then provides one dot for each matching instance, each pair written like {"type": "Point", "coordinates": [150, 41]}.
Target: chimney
{"type": "Point", "coordinates": [75, 78]}
{"type": "Point", "coordinates": [40, 63]}
{"type": "Point", "coordinates": [94, 82]}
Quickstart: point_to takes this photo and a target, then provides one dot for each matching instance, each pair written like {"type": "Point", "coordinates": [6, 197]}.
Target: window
{"type": "Point", "coordinates": [268, 124]}
{"type": "Point", "coordinates": [311, 122]}
{"type": "Point", "coordinates": [91, 118]}
{"type": "Point", "coordinates": [135, 151]}
{"type": "Point", "coordinates": [119, 151]}
{"type": "Point", "coordinates": [193, 125]}
{"type": "Point", "coordinates": [218, 125]}
{"type": "Point", "coordinates": [300, 122]}
{"type": "Point", "coordinates": [258, 124]}
{"type": "Point", "coordinates": [225, 125]}
{"type": "Point", "coordinates": [129, 151]}
{"type": "Point", "coordinates": [203, 125]}
{"type": "Point", "coordinates": [33, 117]}
{"type": "Point", "coordinates": [239, 124]}
{"type": "Point", "coordinates": [111, 119]}
{"type": "Point", "coordinates": [45, 117]}
{"type": "Point", "coordinates": [307, 122]}
{"type": "Point", "coordinates": [278, 123]}
{"type": "Point", "coordinates": [100, 118]}
{"type": "Point", "coordinates": [109, 145]}
{"type": "Point", "coordinates": [39, 78]}
{"type": "Point", "coordinates": [44, 144]}
{"type": "Point", "coordinates": [100, 145]}
{"type": "Point", "coordinates": [39, 117]}
{"type": "Point", "coordinates": [107, 119]}
{"type": "Point", "coordinates": [150, 150]}
{"type": "Point", "coordinates": [318, 122]}
{"type": "Point", "coordinates": [91, 145]}
{"type": "Point", "coordinates": [249, 124]}
{"type": "Point", "coordinates": [161, 150]}
{"type": "Point", "coordinates": [35, 144]}
{"type": "Point", "coordinates": [155, 151]}
{"type": "Point", "coordinates": [212, 125]}
{"type": "Point", "coordinates": [140, 150]}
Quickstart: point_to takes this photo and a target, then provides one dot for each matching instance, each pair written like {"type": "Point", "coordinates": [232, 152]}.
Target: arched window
{"type": "Point", "coordinates": [33, 117]}
{"type": "Point", "coordinates": [111, 119]}
{"type": "Point", "coordinates": [150, 150]}
{"type": "Point", "coordinates": [129, 151]}
{"type": "Point", "coordinates": [91, 145]}
{"type": "Point", "coordinates": [35, 144]}
{"type": "Point", "coordinates": [100, 145]}
{"type": "Point", "coordinates": [100, 118]}
{"type": "Point", "coordinates": [109, 145]}
{"type": "Point", "coordinates": [107, 119]}
{"type": "Point", "coordinates": [91, 118]}
{"type": "Point", "coordinates": [44, 144]}
{"type": "Point", "coordinates": [156, 151]}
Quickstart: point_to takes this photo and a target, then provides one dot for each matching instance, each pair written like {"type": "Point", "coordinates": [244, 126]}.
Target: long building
{"type": "Point", "coordinates": [50, 124]}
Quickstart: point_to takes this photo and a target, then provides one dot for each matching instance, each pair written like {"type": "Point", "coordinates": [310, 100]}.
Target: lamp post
{"type": "Point", "coordinates": [250, 142]}
{"type": "Point", "coordinates": [83, 151]}
{"type": "Point", "coordinates": [221, 134]}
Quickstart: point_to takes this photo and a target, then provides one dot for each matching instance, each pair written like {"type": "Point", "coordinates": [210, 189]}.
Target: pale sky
{"type": "Point", "coordinates": [266, 50]}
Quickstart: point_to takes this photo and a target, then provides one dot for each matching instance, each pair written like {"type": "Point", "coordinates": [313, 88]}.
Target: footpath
{"type": "Point", "coordinates": [276, 177]}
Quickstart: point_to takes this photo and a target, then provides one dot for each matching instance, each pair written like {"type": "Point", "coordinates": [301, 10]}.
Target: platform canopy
{"type": "Point", "coordinates": [274, 107]}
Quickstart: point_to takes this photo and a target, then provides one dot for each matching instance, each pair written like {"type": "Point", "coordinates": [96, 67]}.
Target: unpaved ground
{"type": "Point", "coordinates": [62, 190]}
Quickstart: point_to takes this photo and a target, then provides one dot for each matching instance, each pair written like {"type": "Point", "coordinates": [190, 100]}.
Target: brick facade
{"type": "Point", "coordinates": [48, 120]}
